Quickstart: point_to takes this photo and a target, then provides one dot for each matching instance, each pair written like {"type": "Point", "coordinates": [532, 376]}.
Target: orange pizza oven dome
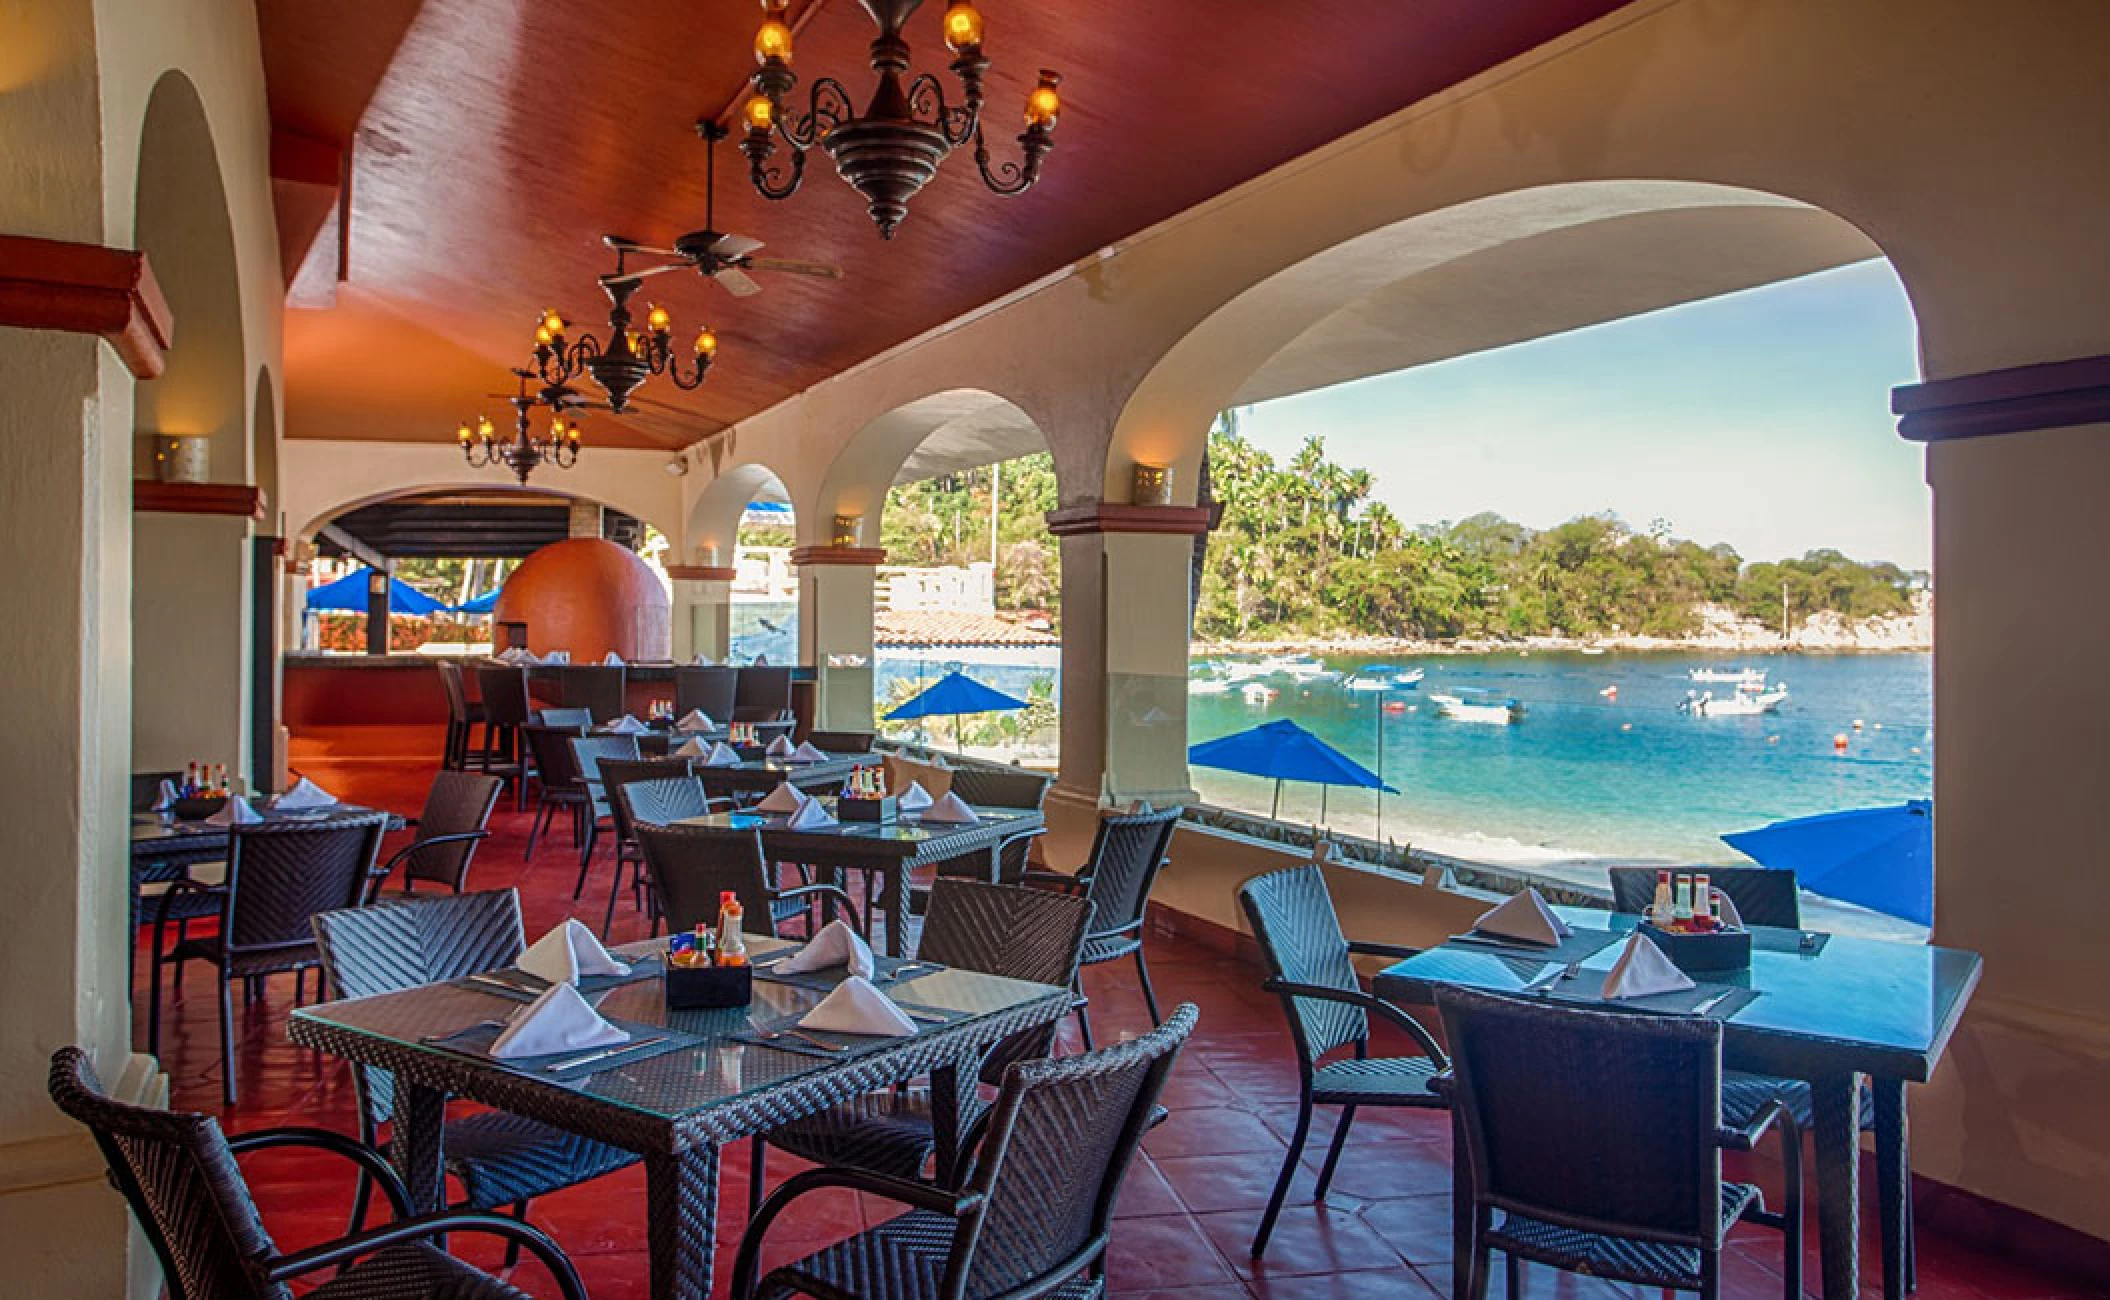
{"type": "Point", "coordinates": [588, 596]}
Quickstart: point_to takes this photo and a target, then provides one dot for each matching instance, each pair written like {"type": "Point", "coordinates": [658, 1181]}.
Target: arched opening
{"type": "Point", "coordinates": [1523, 500]}
{"type": "Point", "coordinates": [192, 603]}
{"type": "Point", "coordinates": [962, 482]}
{"type": "Point", "coordinates": [744, 526]}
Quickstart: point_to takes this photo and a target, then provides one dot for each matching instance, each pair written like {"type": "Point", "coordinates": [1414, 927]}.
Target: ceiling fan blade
{"type": "Point", "coordinates": [621, 244]}
{"type": "Point", "coordinates": [795, 268]}
{"type": "Point", "coordinates": [734, 245]}
{"type": "Point", "coordinates": [737, 282]}
{"type": "Point", "coordinates": [631, 277]}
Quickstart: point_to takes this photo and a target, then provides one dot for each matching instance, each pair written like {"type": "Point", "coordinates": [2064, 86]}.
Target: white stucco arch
{"type": "Point", "coordinates": [867, 464]}
{"type": "Point", "coordinates": [713, 519]}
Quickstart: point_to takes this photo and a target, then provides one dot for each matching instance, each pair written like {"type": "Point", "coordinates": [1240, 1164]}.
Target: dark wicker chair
{"type": "Point", "coordinates": [1127, 855]}
{"type": "Point", "coordinates": [462, 716]}
{"type": "Point", "coordinates": [663, 801]}
{"type": "Point", "coordinates": [1309, 968]}
{"type": "Point", "coordinates": [577, 718]}
{"type": "Point", "coordinates": [714, 690]}
{"type": "Point", "coordinates": [1597, 1137]}
{"type": "Point", "coordinates": [1034, 1214]}
{"type": "Point", "coordinates": [689, 866]}
{"type": "Point", "coordinates": [1763, 895]}
{"type": "Point", "coordinates": [449, 828]}
{"type": "Point", "coordinates": [1001, 787]}
{"type": "Point", "coordinates": [597, 688]}
{"type": "Point", "coordinates": [557, 783]}
{"type": "Point", "coordinates": [761, 695]}
{"type": "Point", "coordinates": [843, 742]}
{"type": "Point", "coordinates": [278, 875]}
{"type": "Point", "coordinates": [586, 755]}
{"type": "Point", "coordinates": [1023, 934]}
{"type": "Point", "coordinates": [499, 1159]}
{"type": "Point", "coordinates": [177, 1171]}
{"type": "Point", "coordinates": [616, 773]}
{"type": "Point", "coordinates": [506, 710]}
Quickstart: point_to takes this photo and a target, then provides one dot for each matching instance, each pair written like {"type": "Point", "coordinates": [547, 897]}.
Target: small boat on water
{"type": "Point", "coordinates": [1301, 668]}
{"type": "Point", "coordinates": [1208, 686]}
{"type": "Point", "coordinates": [1258, 692]}
{"type": "Point", "coordinates": [1742, 704]}
{"type": "Point", "coordinates": [1482, 707]}
{"type": "Point", "coordinates": [1740, 675]}
{"type": "Point", "coordinates": [1378, 677]}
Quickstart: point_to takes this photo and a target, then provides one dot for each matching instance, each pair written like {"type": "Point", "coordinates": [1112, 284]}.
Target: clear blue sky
{"type": "Point", "coordinates": [1761, 419]}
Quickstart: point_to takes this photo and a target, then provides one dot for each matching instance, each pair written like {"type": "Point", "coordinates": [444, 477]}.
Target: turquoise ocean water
{"type": "Point", "coordinates": [1586, 774]}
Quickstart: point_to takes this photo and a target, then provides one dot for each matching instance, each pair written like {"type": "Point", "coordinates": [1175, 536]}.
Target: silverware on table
{"type": "Point", "coordinates": [494, 982]}
{"type": "Point", "coordinates": [436, 1039]}
{"type": "Point", "coordinates": [923, 1017]}
{"type": "Point", "coordinates": [558, 1067]}
{"type": "Point", "coordinates": [1713, 1002]}
{"type": "Point", "coordinates": [1540, 983]}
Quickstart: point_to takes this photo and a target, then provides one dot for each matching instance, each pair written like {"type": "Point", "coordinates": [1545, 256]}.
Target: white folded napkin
{"type": "Point", "coordinates": [627, 726]}
{"type": "Point", "coordinates": [1725, 909]}
{"type": "Point", "coordinates": [836, 945]}
{"type": "Point", "coordinates": [612, 658]}
{"type": "Point", "coordinates": [810, 816]}
{"type": "Point", "coordinates": [806, 753]}
{"type": "Point", "coordinates": [304, 795]}
{"type": "Point", "coordinates": [567, 952]}
{"type": "Point", "coordinates": [786, 798]}
{"type": "Point", "coordinates": [235, 812]}
{"type": "Point", "coordinates": [704, 661]}
{"type": "Point", "coordinates": [722, 755]}
{"type": "Point", "coordinates": [557, 657]}
{"type": "Point", "coordinates": [513, 654]}
{"type": "Point", "coordinates": [1643, 969]}
{"type": "Point", "coordinates": [779, 748]}
{"type": "Point", "coordinates": [857, 1007]}
{"type": "Point", "coordinates": [696, 720]}
{"type": "Point", "coordinates": [1524, 917]}
{"type": "Point", "coordinates": [950, 809]}
{"type": "Point", "coordinates": [167, 798]}
{"type": "Point", "coordinates": [915, 798]}
{"type": "Point", "coordinates": [693, 747]}
{"type": "Point", "coordinates": [558, 1021]}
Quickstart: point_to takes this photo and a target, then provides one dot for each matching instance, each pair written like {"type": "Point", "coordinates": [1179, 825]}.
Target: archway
{"type": "Point", "coordinates": [743, 601]}
{"type": "Point", "coordinates": [192, 604]}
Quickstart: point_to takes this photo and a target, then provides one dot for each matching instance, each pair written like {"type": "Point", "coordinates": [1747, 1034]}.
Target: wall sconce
{"type": "Point", "coordinates": [1152, 485]}
{"type": "Point", "coordinates": [849, 532]}
{"type": "Point", "coordinates": [377, 583]}
{"type": "Point", "coordinates": [182, 458]}
{"type": "Point", "coordinates": [707, 556]}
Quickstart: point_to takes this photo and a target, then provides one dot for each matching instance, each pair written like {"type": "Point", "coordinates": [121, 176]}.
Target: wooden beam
{"type": "Point", "coordinates": [87, 289]}
{"type": "Point", "coordinates": [354, 547]}
{"type": "Point", "coordinates": [238, 499]}
{"type": "Point", "coordinates": [2050, 395]}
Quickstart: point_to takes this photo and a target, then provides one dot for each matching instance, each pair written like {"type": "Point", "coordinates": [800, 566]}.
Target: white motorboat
{"type": "Point", "coordinates": [1755, 676]}
{"type": "Point", "coordinates": [1487, 709]}
{"type": "Point", "coordinates": [1302, 668]}
{"type": "Point", "coordinates": [1742, 704]}
{"type": "Point", "coordinates": [1208, 686]}
{"type": "Point", "coordinates": [1258, 692]}
{"type": "Point", "coordinates": [1371, 678]}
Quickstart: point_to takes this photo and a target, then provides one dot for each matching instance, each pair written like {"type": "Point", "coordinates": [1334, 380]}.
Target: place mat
{"type": "Point", "coordinates": [838, 1046]}
{"type": "Point", "coordinates": [1587, 991]}
{"type": "Point", "coordinates": [648, 1041]}
{"type": "Point", "coordinates": [511, 982]}
{"type": "Point", "coordinates": [1803, 943]}
{"type": "Point", "coordinates": [1579, 946]}
{"type": "Point", "coordinates": [885, 970]}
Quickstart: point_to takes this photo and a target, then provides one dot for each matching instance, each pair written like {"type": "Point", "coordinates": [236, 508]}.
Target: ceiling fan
{"type": "Point", "coordinates": [717, 256]}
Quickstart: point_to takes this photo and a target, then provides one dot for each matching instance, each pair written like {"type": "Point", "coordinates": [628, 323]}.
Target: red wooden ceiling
{"type": "Point", "coordinates": [494, 141]}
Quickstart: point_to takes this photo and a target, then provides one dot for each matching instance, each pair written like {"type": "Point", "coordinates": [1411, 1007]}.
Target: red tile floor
{"type": "Point", "coordinates": [1186, 1214]}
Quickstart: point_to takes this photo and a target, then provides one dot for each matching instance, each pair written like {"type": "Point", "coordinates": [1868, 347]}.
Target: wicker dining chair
{"type": "Point", "coordinates": [1308, 966]}
{"type": "Point", "coordinates": [557, 783]}
{"type": "Point", "coordinates": [616, 773]}
{"type": "Point", "coordinates": [1035, 935]}
{"type": "Point", "coordinates": [462, 715]}
{"type": "Point", "coordinates": [1127, 854]}
{"type": "Point", "coordinates": [1597, 1139]}
{"type": "Point", "coordinates": [1000, 787]}
{"type": "Point", "coordinates": [278, 875]}
{"type": "Point", "coordinates": [690, 866]}
{"type": "Point", "coordinates": [712, 690]}
{"type": "Point", "coordinates": [761, 695]}
{"type": "Point", "coordinates": [843, 742]}
{"type": "Point", "coordinates": [1763, 896]}
{"type": "Point", "coordinates": [499, 1159]}
{"type": "Point", "coordinates": [177, 1172]}
{"type": "Point", "coordinates": [1034, 1214]}
{"type": "Point", "coordinates": [451, 825]}
{"type": "Point", "coordinates": [586, 755]}
{"type": "Point", "coordinates": [506, 710]}
{"type": "Point", "coordinates": [598, 688]}
{"type": "Point", "coordinates": [578, 718]}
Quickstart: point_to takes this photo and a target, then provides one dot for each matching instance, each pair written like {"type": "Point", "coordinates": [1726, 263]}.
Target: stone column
{"type": "Point", "coordinates": [585, 519]}
{"type": "Point", "coordinates": [835, 630]}
{"type": "Point", "coordinates": [703, 611]}
{"type": "Point", "coordinates": [1125, 618]}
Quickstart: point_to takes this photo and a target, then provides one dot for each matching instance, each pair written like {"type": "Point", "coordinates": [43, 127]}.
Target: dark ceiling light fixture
{"type": "Point", "coordinates": [524, 452]}
{"type": "Point", "coordinates": [892, 149]}
{"type": "Point", "coordinates": [629, 356]}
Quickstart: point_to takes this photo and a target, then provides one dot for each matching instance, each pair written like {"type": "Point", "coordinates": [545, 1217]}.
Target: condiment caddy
{"type": "Point", "coordinates": [708, 968]}
{"type": "Point", "coordinates": [865, 798]}
{"type": "Point", "coordinates": [1684, 920]}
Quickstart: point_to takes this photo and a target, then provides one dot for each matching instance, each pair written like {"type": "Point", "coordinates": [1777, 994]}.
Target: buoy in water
{"type": "Point", "coordinates": [1839, 742]}
{"type": "Point", "coordinates": [1626, 726]}
{"type": "Point", "coordinates": [1395, 706]}
{"type": "Point", "coordinates": [1610, 692]}
{"type": "Point", "coordinates": [1857, 724]}
{"type": "Point", "coordinates": [1772, 740]}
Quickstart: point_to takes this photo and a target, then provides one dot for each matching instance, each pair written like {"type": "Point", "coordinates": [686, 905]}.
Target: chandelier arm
{"type": "Point", "coordinates": [773, 182]}
{"type": "Point", "coordinates": [554, 365]}
{"type": "Point", "coordinates": [1009, 177]}
{"type": "Point", "coordinates": [692, 378]}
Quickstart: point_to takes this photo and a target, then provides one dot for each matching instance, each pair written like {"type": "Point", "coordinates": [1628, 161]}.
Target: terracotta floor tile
{"type": "Point", "coordinates": [1165, 1251]}
{"type": "Point", "coordinates": [1239, 1182]}
{"type": "Point", "coordinates": [1313, 1240]}
{"type": "Point", "coordinates": [1219, 1132]}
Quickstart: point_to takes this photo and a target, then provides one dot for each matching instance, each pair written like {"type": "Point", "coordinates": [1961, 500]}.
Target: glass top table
{"type": "Point", "coordinates": [1827, 1011]}
{"type": "Point", "coordinates": [674, 1108]}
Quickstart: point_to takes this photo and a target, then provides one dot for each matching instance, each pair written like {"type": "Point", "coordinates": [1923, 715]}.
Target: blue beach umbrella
{"type": "Point", "coordinates": [1878, 858]}
{"type": "Point", "coordinates": [952, 695]}
{"type": "Point", "coordinates": [348, 595]}
{"type": "Point", "coordinates": [1286, 752]}
{"type": "Point", "coordinates": [484, 604]}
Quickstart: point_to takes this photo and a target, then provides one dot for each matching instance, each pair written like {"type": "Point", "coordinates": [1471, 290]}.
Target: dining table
{"type": "Point", "coordinates": [890, 851]}
{"type": "Point", "coordinates": [1829, 1009]}
{"type": "Point", "coordinates": [690, 1081]}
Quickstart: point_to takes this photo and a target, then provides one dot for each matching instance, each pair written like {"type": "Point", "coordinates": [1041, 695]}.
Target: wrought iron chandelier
{"type": "Point", "coordinates": [894, 147]}
{"type": "Point", "coordinates": [629, 356]}
{"type": "Point", "coordinates": [522, 453]}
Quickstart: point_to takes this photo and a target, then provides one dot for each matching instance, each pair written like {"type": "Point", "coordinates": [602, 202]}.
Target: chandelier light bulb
{"type": "Point", "coordinates": [761, 114]}
{"type": "Point", "coordinates": [463, 433]}
{"type": "Point", "coordinates": [554, 323]}
{"type": "Point", "coordinates": [706, 343]}
{"type": "Point", "coordinates": [773, 39]}
{"type": "Point", "coordinates": [483, 428]}
{"type": "Point", "coordinates": [543, 338]}
{"type": "Point", "coordinates": [657, 320]}
{"type": "Point", "coordinates": [963, 26]}
{"type": "Point", "coordinates": [1043, 103]}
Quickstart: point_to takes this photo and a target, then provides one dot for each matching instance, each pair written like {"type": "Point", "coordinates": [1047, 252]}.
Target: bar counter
{"type": "Point", "coordinates": [404, 689]}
